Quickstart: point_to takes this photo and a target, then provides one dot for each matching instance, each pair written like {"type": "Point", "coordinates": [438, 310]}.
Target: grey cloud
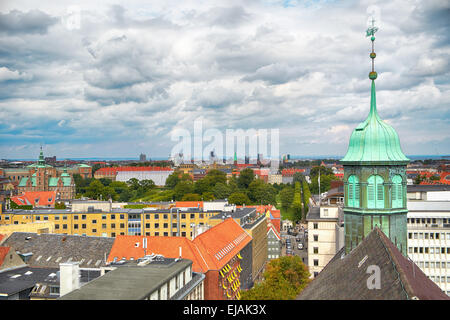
{"type": "Point", "coordinates": [33, 21]}
{"type": "Point", "coordinates": [276, 73]}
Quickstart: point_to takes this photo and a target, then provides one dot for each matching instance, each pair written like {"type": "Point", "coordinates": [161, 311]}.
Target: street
{"type": "Point", "coordinates": [303, 253]}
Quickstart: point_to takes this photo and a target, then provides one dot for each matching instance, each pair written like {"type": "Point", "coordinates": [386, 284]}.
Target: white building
{"type": "Point", "coordinates": [429, 239]}
{"type": "Point", "coordinates": [325, 236]}
{"type": "Point", "coordinates": [158, 177]}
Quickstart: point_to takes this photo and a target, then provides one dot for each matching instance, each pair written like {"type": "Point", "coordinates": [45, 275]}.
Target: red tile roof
{"type": "Point", "coordinates": [3, 252]}
{"type": "Point", "coordinates": [114, 170]}
{"type": "Point", "coordinates": [275, 231]}
{"type": "Point", "coordinates": [210, 250]}
{"type": "Point", "coordinates": [189, 204]}
{"type": "Point", "coordinates": [290, 172]}
{"type": "Point", "coordinates": [222, 242]}
{"type": "Point", "coordinates": [35, 198]}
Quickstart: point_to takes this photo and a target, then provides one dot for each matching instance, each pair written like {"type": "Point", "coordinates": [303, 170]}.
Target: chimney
{"type": "Point", "coordinates": [180, 253]}
{"type": "Point", "coordinates": [69, 277]}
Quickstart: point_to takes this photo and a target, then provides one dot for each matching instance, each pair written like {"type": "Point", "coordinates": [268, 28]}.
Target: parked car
{"type": "Point", "coordinates": [300, 246]}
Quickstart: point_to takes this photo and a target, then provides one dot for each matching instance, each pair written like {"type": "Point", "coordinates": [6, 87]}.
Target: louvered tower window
{"type": "Point", "coordinates": [397, 192]}
{"type": "Point", "coordinates": [353, 191]}
{"type": "Point", "coordinates": [375, 192]}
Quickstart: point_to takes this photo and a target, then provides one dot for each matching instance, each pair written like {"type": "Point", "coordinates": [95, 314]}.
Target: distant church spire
{"type": "Point", "coordinates": [41, 160]}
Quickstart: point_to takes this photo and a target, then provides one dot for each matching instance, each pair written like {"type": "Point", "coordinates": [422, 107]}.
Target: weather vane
{"type": "Point", "coordinates": [371, 32]}
{"type": "Point", "coordinates": [372, 29]}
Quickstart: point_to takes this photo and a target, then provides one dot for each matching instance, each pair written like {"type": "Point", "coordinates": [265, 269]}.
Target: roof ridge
{"type": "Point", "coordinates": [401, 277]}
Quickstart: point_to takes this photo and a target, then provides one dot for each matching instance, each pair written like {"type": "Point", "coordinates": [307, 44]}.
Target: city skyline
{"type": "Point", "coordinates": [116, 79]}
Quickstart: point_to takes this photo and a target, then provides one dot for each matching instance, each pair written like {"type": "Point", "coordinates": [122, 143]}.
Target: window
{"type": "Point", "coordinates": [83, 226]}
{"type": "Point", "coordinates": [315, 226]}
{"type": "Point", "coordinates": [316, 250]}
{"type": "Point", "coordinates": [183, 216]}
{"type": "Point", "coordinates": [353, 191]}
{"type": "Point", "coordinates": [113, 225]}
{"type": "Point", "coordinates": [113, 216]}
{"type": "Point", "coordinates": [316, 262]}
{"type": "Point", "coordinates": [156, 225]}
{"type": "Point", "coordinates": [75, 226]}
{"type": "Point", "coordinates": [165, 217]}
{"type": "Point", "coordinates": [174, 225]}
{"type": "Point", "coordinates": [147, 216]}
{"type": "Point", "coordinates": [192, 216]}
{"type": "Point", "coordinates": [316, 237]}
{"type": "Point", "coordinates": [122, 225]}
{"type": "Point", "coordinates": [57, 226]}
{"type": "Point", "coordinates": [94, 221]}
{"type": "Point", "coordinates": [75, 217]}
{"type": "Point", "coordinates": [147, 225]}
{"type": "Point", "coordinates": [64, 226]}
{"type": "Point", "coordinates": [64, 217]}
{"type": "Point", "coordinates": [103, 216]}
{"type": "Point", "coordinates": [37, 218]}
{"type": "Point", "coordinates": [156, 216]}
{"type": "Point", "coordinates": [397, 192]}
{"type": "Point", "coordinates": [375, 192]}
{"type": "Point", "coordinates": [104, 226]}
{"type": "Point", "coordinates": [94, 230]}
{"type": "Point", "coordinates": [122, 216]}
{"type": "Point", "coordinates": [166, 225]}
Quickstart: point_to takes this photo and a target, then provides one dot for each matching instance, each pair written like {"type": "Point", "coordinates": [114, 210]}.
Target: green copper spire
{"type": "Point", "coordinates": [374, 141]}
{"type": "Point", "coordinates": [374, 177]}
{"type": "Point", "coordinates": [41, 160]}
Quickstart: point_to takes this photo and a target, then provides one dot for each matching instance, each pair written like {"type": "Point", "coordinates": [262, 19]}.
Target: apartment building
{"type": "Point", "coordinates": [325, 236]}
{"type": "Point", "coordinates": [116, 221]}
{"type": "Point", "coordinates": [428, 226]}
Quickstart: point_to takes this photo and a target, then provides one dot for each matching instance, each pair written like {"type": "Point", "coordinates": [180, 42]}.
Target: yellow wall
{"type": "Point", "coordinates": [37, 227]}
{"type": "Point", "coordinates": [108, 224]}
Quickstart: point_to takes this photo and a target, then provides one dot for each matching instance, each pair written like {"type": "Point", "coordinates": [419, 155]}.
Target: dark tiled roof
{"type": "Point", "coordinates": [345, 276]}
{"type": "Point", "coordinates": [49, 250]}
{"type": "Point", "coordinates": [19, 279]}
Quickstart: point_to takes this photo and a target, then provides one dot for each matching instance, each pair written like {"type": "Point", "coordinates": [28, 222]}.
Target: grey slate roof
{"type": "Point", "coordinates": [16, 280]}
{"type": "Point", "coordinates": [49, 250]}
{"type": "Point", "coordinates": [345, 276]}
{"type": "Point", "coordinates": [129, 282]}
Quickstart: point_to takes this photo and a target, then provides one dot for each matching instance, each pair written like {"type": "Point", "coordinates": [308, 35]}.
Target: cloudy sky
{"type": "Point", "coordinates": [116, 79]}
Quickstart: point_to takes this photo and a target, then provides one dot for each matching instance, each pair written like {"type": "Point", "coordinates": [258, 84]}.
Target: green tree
{"type": "Point", "coordinates": [221, 190]}
{"type": "Point", "coordinates": [262, 193]}
{"type": "Point", "coordinates": [60, 205]}
{"type": "Point", "coordinates": [208, 196]}
{"type": "Point", "coordinates": [173, 179]}
{"type": "Point", "coordinates": [306, 195]}
{"type": "Point", "coordinates": [94, 190]}
{"type": "Point", "coordinates": [182, 188]}
{"type": "Point", "coordinates": [238, 198]}
{"type": "Point", "coordinates": [191, 197]}
{"type": "Point", "coordinates": [246, 177]}
{"type": "Point", "coordinates": [286, 197]}
{"type": "Point", "coordinates": [297, 202]}
{"type": "Point", "coordinates": [284, 279]}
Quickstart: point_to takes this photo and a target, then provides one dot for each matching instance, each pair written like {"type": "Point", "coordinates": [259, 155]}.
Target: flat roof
{"type": "Point", "coordinates": [129, 282]}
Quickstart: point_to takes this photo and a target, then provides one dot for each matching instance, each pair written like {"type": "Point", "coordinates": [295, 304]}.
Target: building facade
{"type": "Point", "coordinates": [429, 239]}
{"type": "Point", "coordinates": [325, 236]}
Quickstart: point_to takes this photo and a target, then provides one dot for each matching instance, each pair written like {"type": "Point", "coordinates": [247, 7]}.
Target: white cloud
{"type": "Point", "coordinates": [133, 72]}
